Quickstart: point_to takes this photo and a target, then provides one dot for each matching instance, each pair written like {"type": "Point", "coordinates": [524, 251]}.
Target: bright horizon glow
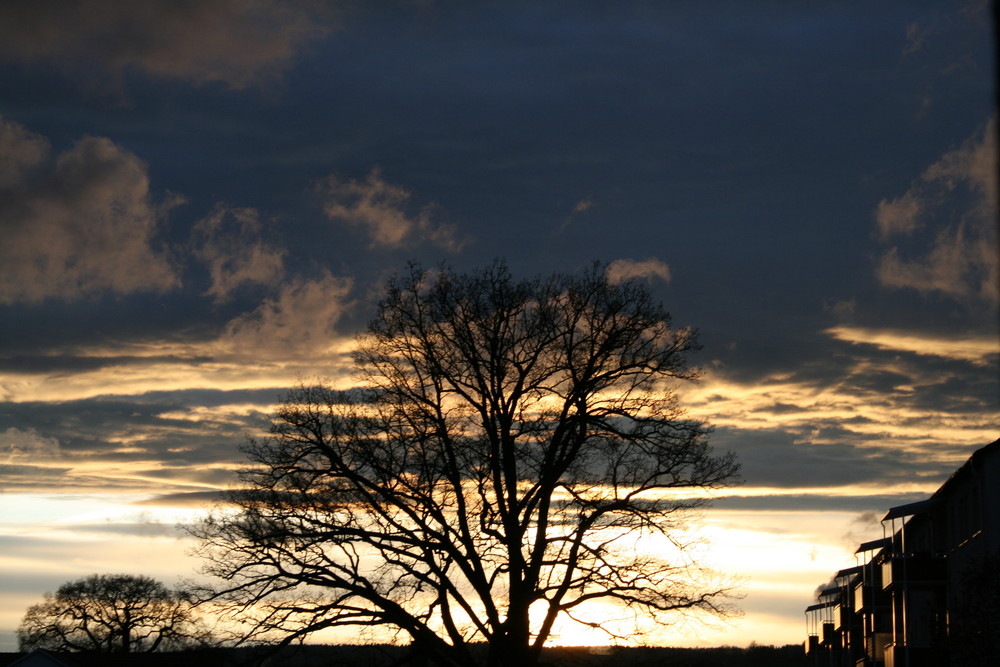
{"type": "Point", "coordinates": [781, 562]}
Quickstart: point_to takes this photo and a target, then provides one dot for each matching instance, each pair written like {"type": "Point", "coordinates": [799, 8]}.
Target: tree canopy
{"type": "Point", "coordinates": [112, 613]}
{"type": "Point", "coordinates": [506, 443]}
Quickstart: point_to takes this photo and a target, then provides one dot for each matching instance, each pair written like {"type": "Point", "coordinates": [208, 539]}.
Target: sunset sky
{"type": "Point", "coordinates": [201, 201]}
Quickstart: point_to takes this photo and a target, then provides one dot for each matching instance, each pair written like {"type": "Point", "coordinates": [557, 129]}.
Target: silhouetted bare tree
{"type": "Point", "coordinates": [112, 614]}
{"type": "Point", "coordinates": [512, 440]}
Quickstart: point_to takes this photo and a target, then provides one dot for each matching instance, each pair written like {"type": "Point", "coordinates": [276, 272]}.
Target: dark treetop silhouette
{"type": "Point", "coordinates": [117, 613]}
{"type": "Point", "coordinates": [510, 436]}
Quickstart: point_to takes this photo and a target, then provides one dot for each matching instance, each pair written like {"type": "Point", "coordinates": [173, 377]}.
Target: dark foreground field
{"type": "Point", "coordinates": [398, 656]}
{"type": "Point", "coordinates": [756, 656]}
{"type": "Point", "coordinates": [385, 656]}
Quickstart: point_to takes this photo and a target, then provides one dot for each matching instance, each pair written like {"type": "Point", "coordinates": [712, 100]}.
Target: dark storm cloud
{"type": "Point", "coordinates": [750, 155]}
{"type": "Point", "coordinates": [235, 43]}
{"type": "Point", "coordinates": [507, 119]}
{"type": "Point", "coordinates": [779, 459]}
{"type": "Point", "coordinates": [175, 428]}
{"type": "Point", "coordinates": [212, 397]}
{"type": "Point", "coordinates": [67, 363]}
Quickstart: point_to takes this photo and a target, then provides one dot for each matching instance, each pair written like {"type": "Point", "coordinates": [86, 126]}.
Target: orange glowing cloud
{"type": "Point", "coordinates": [974, 349]}
{"type": "Point", "coordinates": [78, 224]}
{"type": "Point", "coordinates": [960, 259]}
{"type": "Point", "coordinates": [380, 208]}
{"type": "Point", "coordinates": [624, 269]}
{"type": "Point", "coordinates": [229, 242]}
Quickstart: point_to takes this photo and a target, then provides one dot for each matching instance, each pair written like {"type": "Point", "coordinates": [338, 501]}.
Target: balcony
{"type": "Point", "coordinates": [907, 570]}
{"type": "Point", "coordinates": [875, 645]}
{"type": "Point", "coordinates": [902, 656]}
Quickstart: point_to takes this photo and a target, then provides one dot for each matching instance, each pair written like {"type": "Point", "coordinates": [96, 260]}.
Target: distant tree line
{"type": "Point", "coordinates": [113, 613]}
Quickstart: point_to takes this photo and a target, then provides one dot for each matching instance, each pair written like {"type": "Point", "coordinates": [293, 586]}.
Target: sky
{"type": "Point", "coordinates": [201, 201]}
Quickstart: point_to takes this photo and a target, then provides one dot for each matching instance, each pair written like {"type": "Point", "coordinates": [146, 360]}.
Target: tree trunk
{"type": "Point", "coordinates": [512, 648]}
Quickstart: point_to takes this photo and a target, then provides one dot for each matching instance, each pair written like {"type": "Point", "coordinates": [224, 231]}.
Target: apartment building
{"type": "Point", "coordinates": [928, 593]}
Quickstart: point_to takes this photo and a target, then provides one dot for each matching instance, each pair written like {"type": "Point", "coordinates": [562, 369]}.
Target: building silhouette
{"type": "Point", "coordinates": [928, 593]}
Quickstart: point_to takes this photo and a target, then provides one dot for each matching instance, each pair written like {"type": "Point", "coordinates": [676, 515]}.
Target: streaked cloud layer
{"type": "Point", "coordinates": [975, 349]}
{"type": "Point", "coordinates": [200, 202]}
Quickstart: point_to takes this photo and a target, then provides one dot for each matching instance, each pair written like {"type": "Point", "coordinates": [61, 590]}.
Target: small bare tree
{"type": "Point", "coordinates": [511, 440]}
{"type": "Point", "coordinates": [117, 613]}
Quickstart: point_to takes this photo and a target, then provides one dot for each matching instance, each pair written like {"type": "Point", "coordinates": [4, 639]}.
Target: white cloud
{"type": "Point", "coordinates": [624, 269]}
{"type": "Point", "coordinates": [228, 41]}
{"type": "Point", "coordinates": [955, 201]}
{"type": "Point", "coordinates": [76, 225]}
{"type": "Point", "coordinates": [380, 208]}
{"type": "Point", "coordinates": [298, 322]}
{"type": "Point", "coordinates": [229, 242]}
